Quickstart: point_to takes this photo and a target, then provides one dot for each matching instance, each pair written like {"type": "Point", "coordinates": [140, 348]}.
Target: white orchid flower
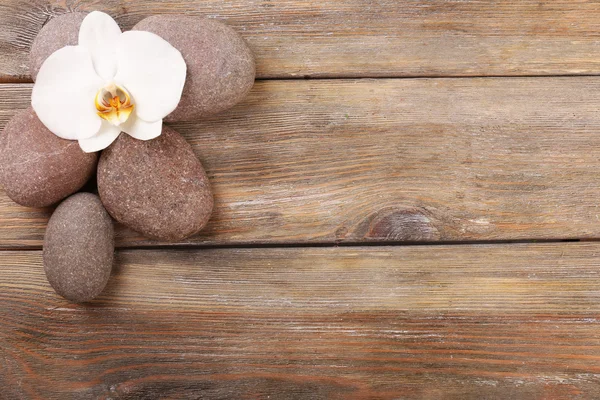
{"type": "Point", "coordinates": [109, 83]}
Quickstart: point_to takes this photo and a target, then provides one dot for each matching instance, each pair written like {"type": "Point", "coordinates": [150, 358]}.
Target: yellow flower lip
{"type": "Point", "coordinates": [114, 104]}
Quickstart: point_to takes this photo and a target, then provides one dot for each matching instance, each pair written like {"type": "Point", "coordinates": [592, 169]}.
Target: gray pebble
{"type": "Point", "coordinates": [220, 65]}
{"type": "Point", "coordinates": [79, 248]}
{"type": "Point", "coordinates": [157, 187]}
{"type": "Point", "coordinates": [37, 168]}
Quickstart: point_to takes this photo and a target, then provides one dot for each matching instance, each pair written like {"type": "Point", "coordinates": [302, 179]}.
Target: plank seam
{"type": "Point", "coordinates": [324, 245]}
{"type": "Point", "coordinates": [16, 80]}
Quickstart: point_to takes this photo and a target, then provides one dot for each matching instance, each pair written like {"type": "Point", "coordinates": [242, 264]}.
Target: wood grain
{"type": "Point", "coordinates": [360, 38]}
{"type": "Point", "coordinates": [418, 322]}
{"type": "Point", "coordinates": [386, 161]}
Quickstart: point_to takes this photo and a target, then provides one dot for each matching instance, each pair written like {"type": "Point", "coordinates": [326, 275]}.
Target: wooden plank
{"type": "Point", "coordinates": [361, 38]}
{"type": "Point", "coordinates": [452, 322]}
{"type": "Point", "coordinates": [387, 160]}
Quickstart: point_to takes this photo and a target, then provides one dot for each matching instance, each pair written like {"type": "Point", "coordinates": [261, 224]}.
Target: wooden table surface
{"type": "Point", "coordinates": [406, 208]}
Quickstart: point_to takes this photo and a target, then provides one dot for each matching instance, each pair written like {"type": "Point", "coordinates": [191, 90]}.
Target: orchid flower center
{"type": "Point", "coordinates": [114, 104]}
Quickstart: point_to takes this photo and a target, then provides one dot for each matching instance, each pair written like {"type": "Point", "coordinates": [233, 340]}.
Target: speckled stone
{"type": "Point", "coordinates": [79, 248]}
{"type": "Point", "coordinates": [59, 32]}
{"type": "Point", "coordinates": [157, 187]}
{"type": "Point", "coordinates": [220, 65]}
{"type": "Point", "coordinates": [37, 168]}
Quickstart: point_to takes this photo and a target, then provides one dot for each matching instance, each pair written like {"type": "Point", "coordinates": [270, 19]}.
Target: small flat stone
{"type": "Point", "coordinates": [37, 168]}
{"type": "Point", "coordinates": [157, 187]}
{"type": "Point", "coordinates": [220, 65]}
{"type": "Point", "coordinates": [59, 32]}
{"type": "Point", "coordinates": [79, 248]}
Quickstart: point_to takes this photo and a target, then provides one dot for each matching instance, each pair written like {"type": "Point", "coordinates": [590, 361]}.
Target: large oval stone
{"type": "Point", "coordinates": [59, 32]}
{"type": "Point", "coordinates": [79, 248]}
{"type": "Point", "coordinates": [157, 187]}
{"type": "Point", "coordinates": [37, 168]}
{"type": "Point", "coordinates": [220, 65]}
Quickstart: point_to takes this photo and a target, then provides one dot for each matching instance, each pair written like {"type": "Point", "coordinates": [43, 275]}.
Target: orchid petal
{"type": "Point", "coordinates": [153, 72]}
{"type": "Point", "coordinates": [108, 133]}
{"type": "Point", "coordinates": [142, 130]}
{"type": "Point", "coordinates": [99, 33]}
{"type": "Point", "coordinates": [63, 94]}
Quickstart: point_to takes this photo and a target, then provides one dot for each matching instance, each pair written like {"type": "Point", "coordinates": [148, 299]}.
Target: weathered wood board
{"type": "Point", "coordinates": [359, 38]}
{"type": "Point", "coordinates": [302, 164]}
{"type": "Point", "coordinates": [452, 322]}
{"type": "Point", "coordinates": [387, 160]}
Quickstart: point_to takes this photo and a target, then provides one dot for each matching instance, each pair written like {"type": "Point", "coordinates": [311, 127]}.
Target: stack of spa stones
{"type": "Point", "coordinates": [157, 187]}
